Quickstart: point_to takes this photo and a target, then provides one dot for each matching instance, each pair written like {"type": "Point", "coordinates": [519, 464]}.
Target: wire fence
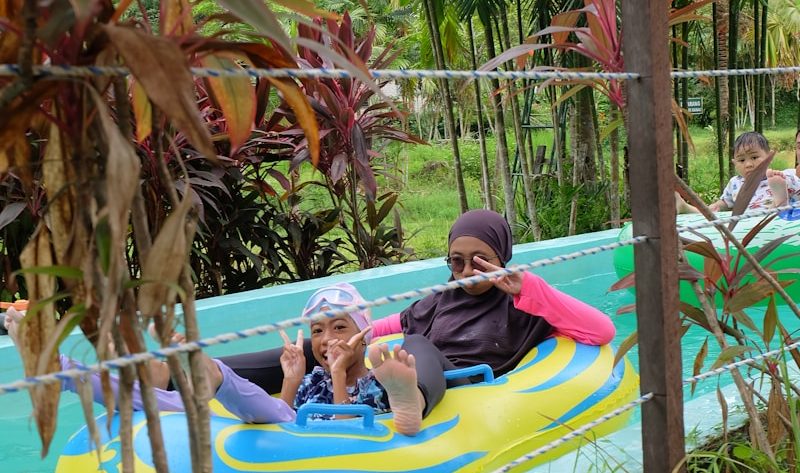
{"type": "Point", "coordinates": [58, 70]}
{"type": "Point", "coordinates": [92, 71]}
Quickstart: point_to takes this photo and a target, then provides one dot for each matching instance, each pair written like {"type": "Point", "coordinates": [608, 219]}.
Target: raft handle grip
{"type": "Point", "coordinates": [482, 369]}
{"type": "Point", "coordinates": [366, 412]}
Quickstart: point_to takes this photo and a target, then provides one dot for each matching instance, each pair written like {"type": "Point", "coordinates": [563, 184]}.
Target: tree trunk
{"type": "Point", "coordinates": [585, 139]}
{"type": "Point", "coordinates": [755, 113]}
{"type": "Point", "coordinates": [500, 134]}
{"type": "Point", "coordinates": [486, 182]}
{"type": "Point", "coordinates": [685, 98]}
{"type": "Point", "coordinates": [613, 197]}
{"type": "Point", "coordinates": [676, 96]}
{"type": "Point", "coordinates": [577, 152]}
{"type": "Point", "coordinates": [598, 145]}
{"type": "Point", "coordinates": [720, 96]}
{"type": "Point", "coordinates": [723, 23]}
{"type": "Point", "coordinates": [733, 24]}
{"type": "Point", "coordinates": [519, 137]}
{"type": "Point", "coordinates": [772, 100]}
{"type": "Point", "coordinates": [444, 87]}
{"type": "Point", "coordinates": [762, 80]}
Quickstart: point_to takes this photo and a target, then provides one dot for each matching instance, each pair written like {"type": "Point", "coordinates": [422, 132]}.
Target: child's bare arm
{"type": "Point", "coordinates": [719, 206]}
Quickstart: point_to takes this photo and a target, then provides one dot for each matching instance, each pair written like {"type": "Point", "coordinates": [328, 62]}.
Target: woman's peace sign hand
{"type": "Point", "coordinates": [510, 284]}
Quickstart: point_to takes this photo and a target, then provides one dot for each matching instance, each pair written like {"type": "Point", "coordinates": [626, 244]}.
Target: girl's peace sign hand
{"type": "Point", "coordinates": [510, 284]}
{"type": "Point", "coordinates": [341, 354]}
{"type": "Point", "coordinates": [293, 359]}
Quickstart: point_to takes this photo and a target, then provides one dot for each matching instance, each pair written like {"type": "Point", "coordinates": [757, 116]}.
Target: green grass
{"type": "Point", "coordinates": [424, 178]}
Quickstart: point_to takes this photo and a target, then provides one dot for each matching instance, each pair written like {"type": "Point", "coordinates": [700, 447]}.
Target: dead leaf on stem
{"type": "Point", "coordinates": [165, 260]}
{"type": "Point", "coordinates": [36, 331]}
{"type": "Point", "coordinates": [160, 66]}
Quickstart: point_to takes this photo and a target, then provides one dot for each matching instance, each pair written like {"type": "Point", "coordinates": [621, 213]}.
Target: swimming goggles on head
{"type": "Point", "coordinates": [332, 297]}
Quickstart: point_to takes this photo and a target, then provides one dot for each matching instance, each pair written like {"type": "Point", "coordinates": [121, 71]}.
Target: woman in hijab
{"type": "Point", "coordinates": [496, 322]}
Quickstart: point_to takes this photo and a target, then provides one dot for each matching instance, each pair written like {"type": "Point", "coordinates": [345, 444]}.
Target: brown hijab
{"type": "Point", "coordinates": [486, 328]}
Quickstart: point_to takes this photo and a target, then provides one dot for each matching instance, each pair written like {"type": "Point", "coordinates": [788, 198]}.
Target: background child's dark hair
{"type": "Point", "coordinates": [751, 138]}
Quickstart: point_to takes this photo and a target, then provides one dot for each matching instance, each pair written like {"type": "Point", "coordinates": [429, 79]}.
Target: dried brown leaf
{"type": "Point", "coordinates": [142, 111]}
{"type": "Point", "coordinates": [165, 260]}
{"type": "Point", "coordinates": [163, 71]}
{"type": "Point", "coordinates": [305, 115]}
{"type": "Point", "coordinates": [35, 332]}
{"type": "Point", "coordinates": [58, 175]}
{"type": "Point", "coordinates": [84, 390]}
{"type": "Point", "coordinates": [698, 361]}
{"type": "Point", "coordinates": [776, 408]}
{"type": "Point", "coordinates": [235, 96]}
{"type": "Point", "coordinates": [723, 404]}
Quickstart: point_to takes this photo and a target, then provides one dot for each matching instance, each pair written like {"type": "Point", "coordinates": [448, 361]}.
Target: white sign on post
{"type": "Point", "coordinates": [695, 105]}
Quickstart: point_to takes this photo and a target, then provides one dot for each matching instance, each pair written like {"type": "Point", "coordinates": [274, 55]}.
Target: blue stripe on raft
{"type": "Point", "coordinates": [260, 446]}
{"type": "Point", "coordinates": [583, 357]}
{"type": "Point", "coordinates": [603, 392]}
{"type": "Point", "coordinates": [543, 350]}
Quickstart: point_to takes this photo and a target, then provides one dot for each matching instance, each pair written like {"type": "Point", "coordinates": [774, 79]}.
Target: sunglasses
{"type": "Point", "coordinates": [457, 263]}
{"type": "Point", "coordinates": [334, 298]}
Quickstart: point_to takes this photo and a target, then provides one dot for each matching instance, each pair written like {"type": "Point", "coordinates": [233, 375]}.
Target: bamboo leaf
{"type": "Point", "coordinates": [259, 16]}
{"type": "Point", "coordinates": [165, 260]}
{"type": "Point", "coordinates": [729, 353]}
{"type": "Point", "coordinates": [235, 96]}
{"type": "Point", "coordinates": [749, 294]}
{"type": "Point", "coordinates": [35, 333]}
{"type": "Point", "coordinates": [759, 256]}
{"type": "Point", "coordinates": [697, 366]}
{"type": "Point", "coordinates": [306, 118]}
{"type": "Point", "coordinates": [624, 283]}
{"type": "Point", "coordinates": [387, 206]}
{"type": "Point", "coordinates": [703, 248]}
{"type": "Point", "coordinates": [776, 408]}
{"type": "Point", "coordinates": [54, 270]}
{"type": "Point", "coordinates": [626, 345]}
{"type": "Point", "coordinates": [626, 309]}
{"type": "Point", "coordinates": [770, 321]}
{"type": "Point", "coordinates": [788, 340]}
{"type": "Point", "coordinates": [745, 320]}
{"type": "Point", "coordinates": [10, 212]}
{"type": "Point", "coordinates": [84, 390]}
{"type": "Point", "coordinates": [757, 229]}
{"type": "Point", "coordinates": [163, 71]}
{"type": "Point", "coordinates": [570, 93]}
{"type": "Point", "coordinates": [695, 314]}
{"type": "Point", "coordinates": [723, 404]}
{"type": "Point", "coordinates": [142, 111]}
{"type": "Point", "coordinates": [307, 8]}
{"type": "Point", "coordinates": [611, 126]}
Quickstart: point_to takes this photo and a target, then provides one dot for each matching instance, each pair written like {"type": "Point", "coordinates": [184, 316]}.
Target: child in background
{"type": "Point", "coordinates": [776, 190]}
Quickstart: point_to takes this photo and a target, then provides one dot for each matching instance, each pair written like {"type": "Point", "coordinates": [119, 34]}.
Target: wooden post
{"type": "Point", "coordinates": [646, 52]}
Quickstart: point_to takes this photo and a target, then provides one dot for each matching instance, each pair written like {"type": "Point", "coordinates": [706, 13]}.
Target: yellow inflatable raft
{"type": "Point", "coordinates": [559, 386]}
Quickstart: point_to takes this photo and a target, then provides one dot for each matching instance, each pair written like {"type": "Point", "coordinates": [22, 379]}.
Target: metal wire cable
{"type": "Point", "coordinates": [575, 433]}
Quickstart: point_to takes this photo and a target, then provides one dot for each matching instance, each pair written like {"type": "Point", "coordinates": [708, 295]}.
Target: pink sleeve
{"type": "Point", "coordinates": [387, 326]}
{"type": "Point", "coordinates": [568, 316]}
